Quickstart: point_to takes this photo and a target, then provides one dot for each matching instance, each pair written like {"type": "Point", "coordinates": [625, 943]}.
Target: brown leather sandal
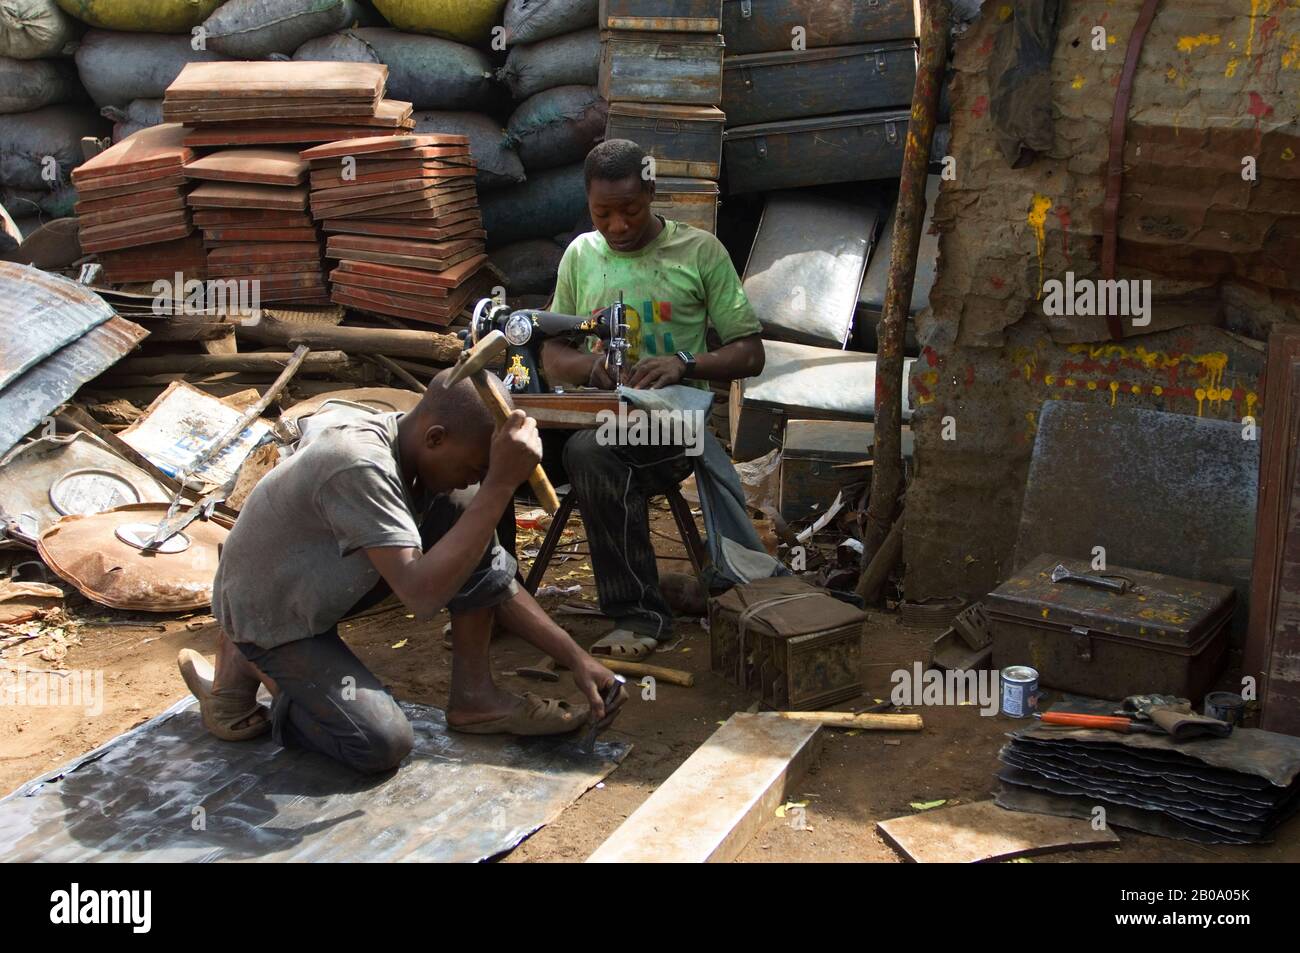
{"type": "Point", "coordinates": [222, 710]}
{"type": "Point", "coordinates": [534, 716]}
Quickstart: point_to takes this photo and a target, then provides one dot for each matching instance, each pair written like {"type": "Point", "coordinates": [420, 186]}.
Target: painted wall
{"type": "Point", "coordinates": [1218, 83]}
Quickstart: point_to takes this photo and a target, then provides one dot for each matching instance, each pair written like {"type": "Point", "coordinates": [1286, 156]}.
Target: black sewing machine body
{"type": "Point", "coordinates": [526, 330]}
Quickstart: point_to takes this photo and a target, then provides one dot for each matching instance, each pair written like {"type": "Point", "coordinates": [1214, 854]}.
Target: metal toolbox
{"type": "Point", "coordinates": [761, 26]}
{"type": "Point", "coordinates": [693, 201]}
{"type": "Point", "coordinates": [798, 648]}
{"type": "Point", "coordinates": [644, 67]}
{"type": "Point", "coordinates": [683, 16]}
{"type": "Point", "coordinates": [1164, 634]}
{"type": "Point", "coordinates": [766, 87]}
{"type": "Point", "coordinates": [798, 152]}
{"type": "Point", "coordinates": [685, 141]}
{"type": "Point", "coordinates": [820, 458]}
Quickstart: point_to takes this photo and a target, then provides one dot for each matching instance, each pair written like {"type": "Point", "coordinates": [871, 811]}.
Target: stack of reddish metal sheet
{"type": "Point", "coordinates": [403, 221]}
{"type": "Point", "coordinates": [132, 196]}
{"type": "Point", "coordinates": [283, 103]}
{"type": "Point", "coordinates": [252, 206]}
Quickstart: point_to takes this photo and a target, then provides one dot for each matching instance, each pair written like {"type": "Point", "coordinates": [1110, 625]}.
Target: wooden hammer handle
{"type": "Point", "coordinates": [539, 482]}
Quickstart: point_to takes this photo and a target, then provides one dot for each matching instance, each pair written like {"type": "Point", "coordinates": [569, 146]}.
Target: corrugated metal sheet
{"type": "Point", "coordinates": [39, 314]}
{"type": "Point", "coordinates": [38, 391]}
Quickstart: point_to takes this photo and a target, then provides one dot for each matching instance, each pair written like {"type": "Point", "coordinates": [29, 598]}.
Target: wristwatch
{"type": "Point", "coordinates": [688, 359]}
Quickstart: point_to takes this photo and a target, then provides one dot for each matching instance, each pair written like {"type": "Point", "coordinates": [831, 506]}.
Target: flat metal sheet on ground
{"type": "Point", "coordinates": [456, 798]}
{"type": "Point", "coordinates": [982, 831]}
{"type": "Point", "coordinates": [1162, 492]}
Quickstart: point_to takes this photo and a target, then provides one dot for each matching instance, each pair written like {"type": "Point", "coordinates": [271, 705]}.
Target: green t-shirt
{"type": "Point", "coordinates": [674, 288]}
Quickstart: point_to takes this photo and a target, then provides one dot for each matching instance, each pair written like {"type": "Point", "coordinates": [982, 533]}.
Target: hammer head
{"type": "Point", "coordinates": [478, 357]}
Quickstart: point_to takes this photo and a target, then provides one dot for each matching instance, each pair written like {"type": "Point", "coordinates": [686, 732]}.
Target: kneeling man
{"type": "Point", "coordinates": [361, 509]}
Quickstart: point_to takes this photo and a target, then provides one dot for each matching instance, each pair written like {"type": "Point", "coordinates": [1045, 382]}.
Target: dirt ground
{"type": "Point", "coordinates": [859, 778]}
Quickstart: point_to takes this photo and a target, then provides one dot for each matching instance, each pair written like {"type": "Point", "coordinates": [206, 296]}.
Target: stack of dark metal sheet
{"type": "Point", "coordinates": [252, 206]}
{"type": "Point", "coordinates": [281, 103]}
{"type": "Point", "coordinates": [404, 224]}
{"type": "Point", "coordinates": [1233, 790]}
{"type": "Point", "coordinates": [132, 196]}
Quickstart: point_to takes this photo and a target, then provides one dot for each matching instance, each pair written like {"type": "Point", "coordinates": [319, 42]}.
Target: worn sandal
{"type": "Point", "coordinates": [625, 644]}
{"type": "Point", "coordinates": [222, 710]}
{"type": "Point", "coordinates": [534, 716]}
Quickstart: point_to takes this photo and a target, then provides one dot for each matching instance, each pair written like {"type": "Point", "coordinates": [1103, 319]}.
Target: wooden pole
{"type": "Point", "coordinates": [862, 722]}
{"type": "Point", "coordinates": [670, 676]}
{"type": "Point", "coordinates": [419, 345]}
{"type": "Point", "coordinates": [220, 363]}
{"type": "Point", "coordinates": [887, 474]}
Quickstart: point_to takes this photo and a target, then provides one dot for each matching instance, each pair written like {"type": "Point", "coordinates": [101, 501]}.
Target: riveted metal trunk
{"type": "Point", "coordinates": [759, 26]}
{"type": "Point", "coordinates": [766, 87]}
{"type": "Point", "coordinates": [800, 152]}
{"type": "Point", "coordinates": [693, 201]}
{"type": "Point", "coordinates": [682, 16]}
{"type": "Point", "coordinates": [645, 67]}
{"type": "Point", "coordinates": [685, 141]}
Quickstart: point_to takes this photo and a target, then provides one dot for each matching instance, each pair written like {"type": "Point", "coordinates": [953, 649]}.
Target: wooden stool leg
{"type": "Point", "coordinates": [552, 540]}
{"type": "Point", "coordinates": [681, 510]}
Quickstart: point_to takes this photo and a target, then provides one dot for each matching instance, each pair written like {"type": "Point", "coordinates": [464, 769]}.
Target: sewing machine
{"type": "Point", "coordinates": [525, 332]}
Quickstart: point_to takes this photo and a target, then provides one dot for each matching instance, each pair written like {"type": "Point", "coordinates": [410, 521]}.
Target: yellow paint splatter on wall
{"type": "Point", "coordinates": [1288, 154]}
{"type": "Point", "coordinates": [1250, 37]}
{"type": "Point", "coordinates": [1078, 82]}
{"type": "Point", "coordinates": [1114, 392]}
{"type": "Point", "coordinates": [1037, 219]}
{"type": "Point", "coordinates": [1231, 71]}
{"type": "Point", "coordinates": [1187, 44]}
{"type": "Point", "coordinates": [1291, 55]}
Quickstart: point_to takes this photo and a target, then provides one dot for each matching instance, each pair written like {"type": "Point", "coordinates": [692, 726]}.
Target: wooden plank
{"type": "Point", "coordinates": [229, 81]}
{"type": "Point", "coordinates": [372, 144]}
{"type": "Point", "coordinates": [971, 833]}
{"type": "Point", "coordinates": [258, 166]}
{"type": "Point", "coordinates": [712, 806]}
{"type": "Point", "coordinates": [156, 147]}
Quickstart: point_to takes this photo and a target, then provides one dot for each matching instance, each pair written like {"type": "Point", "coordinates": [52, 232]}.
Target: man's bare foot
{"type": "Point", "coordinates": [468, 708]}
{"type": "Point", "coordinates": [527, 715]}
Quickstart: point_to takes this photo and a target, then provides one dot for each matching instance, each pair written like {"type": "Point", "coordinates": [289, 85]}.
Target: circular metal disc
{"type": "Point", "coordinates": [139, 534]}
{"type": "Point", "coordinates": [91, 490]}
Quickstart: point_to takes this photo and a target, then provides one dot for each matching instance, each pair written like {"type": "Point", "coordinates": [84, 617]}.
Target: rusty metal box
{"type": "Point", "coordinates": [678, 16]}
{"type": "Point", "coordinates": [822, 457]}
{"type": "Point", "coordinates": [1164, 634]}
{"type": "Point", "coordinates": [766, 87]}
{"type": "Point", "coordinates": [693, 201]}
{"type": "Point", "coordinates": [795, 646]}
{"type": "Point", "coordinates": [798, 152]}
{"type": "Point", "coordinates": [645, 67]}
{"type": "Point", "coordinates": [684, 140]}
{"type": "Point", "coordinates": [761, 26]}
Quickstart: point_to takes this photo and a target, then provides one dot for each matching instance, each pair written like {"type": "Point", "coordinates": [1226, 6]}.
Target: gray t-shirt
{"type": "Point", "coordinates": [295, 563]}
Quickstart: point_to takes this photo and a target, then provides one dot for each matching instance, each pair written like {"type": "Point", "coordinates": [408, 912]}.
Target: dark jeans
{"type": "Point", "coordinates": [331, 703]}
{"type": "Point", "coordinates": [614, 484]}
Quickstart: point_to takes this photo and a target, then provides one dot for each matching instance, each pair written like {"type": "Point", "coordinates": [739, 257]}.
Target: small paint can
{"type": "Point", "coordinates": [1019, 691]}
{"type": "Point", "coordinates": [1225, 706]}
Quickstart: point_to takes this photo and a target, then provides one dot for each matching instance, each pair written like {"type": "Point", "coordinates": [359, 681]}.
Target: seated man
{"type": "Point", "coordinates": [677, 282]}
{"type": "Point", "coordinates": [360, 509]}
